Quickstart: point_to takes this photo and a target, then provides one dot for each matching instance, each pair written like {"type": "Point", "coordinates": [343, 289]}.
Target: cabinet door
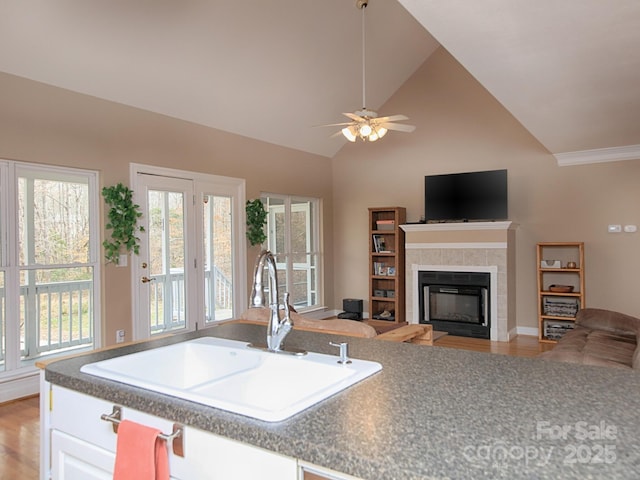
{"type": "Point", "coordinates": [211, 456]}
{"type": "Point", "coordinates": [75, 459]}
{"type": "Point", "coordinates": [83, 446]}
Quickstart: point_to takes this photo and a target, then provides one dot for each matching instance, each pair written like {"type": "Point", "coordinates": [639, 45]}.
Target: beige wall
{"type": "Point", "coordinates": [461, 127]}
{"type": "Point", "coordinates": [43, 124]}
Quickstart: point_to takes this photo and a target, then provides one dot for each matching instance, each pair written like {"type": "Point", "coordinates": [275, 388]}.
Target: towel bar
{"type": "Point", "coordinates": [176, 437]}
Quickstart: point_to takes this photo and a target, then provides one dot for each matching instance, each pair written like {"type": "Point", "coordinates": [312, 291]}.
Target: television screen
{"type": "Point", "coordinates": [461, 197]}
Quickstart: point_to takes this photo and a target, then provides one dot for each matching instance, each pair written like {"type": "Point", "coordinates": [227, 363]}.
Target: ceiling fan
{"type": "Point", "coordinates": [365, 124]}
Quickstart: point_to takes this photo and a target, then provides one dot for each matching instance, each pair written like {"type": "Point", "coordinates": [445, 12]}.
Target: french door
{"type": "Point", "coordinates": [164, 264]}
{"type": "Point", "coordinates": [191, 268]}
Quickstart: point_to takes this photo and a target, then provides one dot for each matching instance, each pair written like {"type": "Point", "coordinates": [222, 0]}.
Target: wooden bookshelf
{"type": "Point", "coordinates": [386, 265]}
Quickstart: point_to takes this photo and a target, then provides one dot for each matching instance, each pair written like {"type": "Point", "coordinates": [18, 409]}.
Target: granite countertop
{"type": "Point", "coordinates": [431, 413]}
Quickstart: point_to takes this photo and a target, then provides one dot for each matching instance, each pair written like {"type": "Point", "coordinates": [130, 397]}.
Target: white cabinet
{"type": "Point", "coordinates": [82, 446]}
{"type": "Point", "coordinates": [75, 459]}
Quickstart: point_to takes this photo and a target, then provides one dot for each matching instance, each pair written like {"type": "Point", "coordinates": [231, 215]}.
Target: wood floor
{"type": "Point", "coordinates": [20, 439]}
{"type": "Point", "coordinates": [19, 420]}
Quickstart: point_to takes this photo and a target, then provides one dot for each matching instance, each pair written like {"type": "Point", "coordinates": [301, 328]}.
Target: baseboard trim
{"type": "Point", "coordinates": [531, 331]}
{"type": "Point", "coordinates": [19, 387]}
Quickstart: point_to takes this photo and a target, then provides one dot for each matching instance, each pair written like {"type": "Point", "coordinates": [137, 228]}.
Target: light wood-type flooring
{"type": "Point", "coordinates": [19, 420]}
{"type": "Point", "coordinates": [20, 439]}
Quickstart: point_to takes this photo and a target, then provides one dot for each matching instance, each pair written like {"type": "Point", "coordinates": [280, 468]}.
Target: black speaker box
{"type": "Point", "coordinates": [352, 305]}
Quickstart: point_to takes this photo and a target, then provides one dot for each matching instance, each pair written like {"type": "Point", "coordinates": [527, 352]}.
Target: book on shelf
{"type": "Point", "coordinates": [379, 268]}
{"type": "Point", "coordinates": [378, 243]}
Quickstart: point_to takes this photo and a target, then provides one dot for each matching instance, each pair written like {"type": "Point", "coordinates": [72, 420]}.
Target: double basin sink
{"type": "Point", "coordinates": [232, 376]}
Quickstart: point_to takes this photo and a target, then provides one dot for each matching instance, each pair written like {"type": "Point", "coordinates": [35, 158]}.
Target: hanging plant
{"type": "Point", "coordinates": [122, 221]}
{"type": "Point", "coordinates": [256, 220]}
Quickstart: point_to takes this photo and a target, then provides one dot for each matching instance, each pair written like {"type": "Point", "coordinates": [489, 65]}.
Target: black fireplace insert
{"type": "Point", "coordinates": [456, 302]}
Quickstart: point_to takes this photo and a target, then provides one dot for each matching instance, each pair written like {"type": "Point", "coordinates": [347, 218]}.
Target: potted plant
{"type": "Point", "coordinates": [122, 221]}
{"type": "Point", "coordinates": [256, 220]}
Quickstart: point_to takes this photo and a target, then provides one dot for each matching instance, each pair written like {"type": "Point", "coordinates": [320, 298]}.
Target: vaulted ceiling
{"type": "Point", "coordinates": [568, 70]}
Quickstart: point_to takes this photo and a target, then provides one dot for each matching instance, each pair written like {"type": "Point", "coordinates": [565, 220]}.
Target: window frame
{"type": "Point", "coordinates": [10, 172]}
{"type": "Point", "coordinates": [288, 206]}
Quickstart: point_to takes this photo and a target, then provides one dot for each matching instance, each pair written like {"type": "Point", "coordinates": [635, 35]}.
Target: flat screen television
{"type": "Point", "coordinates": [463, 197]}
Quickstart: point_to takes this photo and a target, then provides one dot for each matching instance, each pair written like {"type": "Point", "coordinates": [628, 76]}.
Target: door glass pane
{"type": "Point", "coordinates": [166, 261]}
{"type": "Point", "coordinates": [218, 258]}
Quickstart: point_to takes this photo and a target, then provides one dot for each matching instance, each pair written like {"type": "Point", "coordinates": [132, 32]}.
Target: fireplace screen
{"type": "Point", "coordinates": [453, 304]}
{"type": "Point", "coordinates": [456, 302]}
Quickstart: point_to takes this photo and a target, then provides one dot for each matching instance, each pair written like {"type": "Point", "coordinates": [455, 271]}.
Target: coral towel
{"type": "Point", "coordinates": [140, 453]}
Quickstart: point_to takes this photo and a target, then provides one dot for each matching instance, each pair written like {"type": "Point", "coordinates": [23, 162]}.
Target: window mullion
{"type": "Point", "coordinates": [12, 278]}
{"type": "Point", "coordinates": [288, 244]}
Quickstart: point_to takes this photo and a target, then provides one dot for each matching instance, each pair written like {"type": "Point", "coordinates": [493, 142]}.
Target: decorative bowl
{"type": "Point", "coordinates": [561, 288]}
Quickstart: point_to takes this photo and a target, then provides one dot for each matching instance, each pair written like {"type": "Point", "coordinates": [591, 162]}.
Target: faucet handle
{"type": "Point", "coordinates": [344, 352]}
{"type": "Point", "coordinates": [287, 308]}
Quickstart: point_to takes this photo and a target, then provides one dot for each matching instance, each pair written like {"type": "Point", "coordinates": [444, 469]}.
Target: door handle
{"type": "Point", "coordinates": [147, 279]}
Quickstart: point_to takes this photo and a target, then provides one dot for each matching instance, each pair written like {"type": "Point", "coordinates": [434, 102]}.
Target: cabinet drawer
{"type": "Point", "coordinates": [79, 415]}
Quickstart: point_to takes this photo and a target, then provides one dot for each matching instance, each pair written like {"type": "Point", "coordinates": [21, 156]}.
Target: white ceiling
{"type": "Point", "coordinates": [568, 70]}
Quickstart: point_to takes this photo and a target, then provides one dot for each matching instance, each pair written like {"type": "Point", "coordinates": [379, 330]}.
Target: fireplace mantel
{"type": "Point", "coordinates": [457, 226]}
{"type": "Point", "coordinates": [471, 246]}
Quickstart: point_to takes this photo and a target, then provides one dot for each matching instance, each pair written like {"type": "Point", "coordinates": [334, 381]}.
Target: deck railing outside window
{"type": "Point", "coordinates": [60, 314]}
{"type": "Point", "coordinates": [168, 305]}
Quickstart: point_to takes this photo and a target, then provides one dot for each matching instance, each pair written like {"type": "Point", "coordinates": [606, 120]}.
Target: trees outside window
{"type": "Point", "coordinates": [49, 262]}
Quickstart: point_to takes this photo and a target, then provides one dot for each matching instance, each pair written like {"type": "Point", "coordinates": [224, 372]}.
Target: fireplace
{"type": "Point", "coordinates": [456, 302]}
{"type": "Point", "coordinates": [471, 247]}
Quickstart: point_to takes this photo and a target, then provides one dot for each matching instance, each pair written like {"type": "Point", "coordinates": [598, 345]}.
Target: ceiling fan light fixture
{"type": "Point", "coordinates": [381, 131]}
{"type": "Point", "coordinates": [365, 123]}
{"type": "Point", "coordinates": [349, 133]}
{"type": "Point", "coordinates": [377, 133]}
{"type": "Point", "coordinates": [365, 130]}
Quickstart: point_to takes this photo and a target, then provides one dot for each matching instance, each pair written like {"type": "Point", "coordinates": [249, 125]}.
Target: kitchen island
{"type": "Point", "coordinates": [431, 413]}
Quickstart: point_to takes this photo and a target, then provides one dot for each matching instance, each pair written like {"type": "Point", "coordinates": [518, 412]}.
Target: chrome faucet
{"type": "Point", "coordinates": [277, 329]}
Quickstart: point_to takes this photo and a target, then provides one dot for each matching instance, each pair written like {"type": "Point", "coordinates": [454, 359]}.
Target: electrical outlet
{"type": "Point", "coordinates": [119, 336]}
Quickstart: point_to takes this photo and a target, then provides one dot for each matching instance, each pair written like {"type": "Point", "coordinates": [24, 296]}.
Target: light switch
{"type": "Point", "coordinates": [630, 228]}
{"type": "Point", "coordinates": [614, 228]}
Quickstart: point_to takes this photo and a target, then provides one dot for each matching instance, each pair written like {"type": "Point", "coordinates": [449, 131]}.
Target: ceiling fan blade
{"type": "Point", "coordinates": [337, 134]}
{"type": "Point", "coordinates": [334, 124]}
{"type": "Point", "coordinates": [354, 117]}
{"type": "Point", "coordinates": [400, 127]}
{"type": "Point", "coordinates": [392, 118]}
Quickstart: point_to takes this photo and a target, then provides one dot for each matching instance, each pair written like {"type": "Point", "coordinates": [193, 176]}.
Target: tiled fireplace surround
{"type": "Point", "coordinates": [465, 247]}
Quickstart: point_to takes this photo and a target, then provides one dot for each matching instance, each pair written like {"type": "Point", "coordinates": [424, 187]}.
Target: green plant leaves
{"type": "Point", "coordinates": [122, 220]}
{"type": "Point", "coordinates": [256, 220]}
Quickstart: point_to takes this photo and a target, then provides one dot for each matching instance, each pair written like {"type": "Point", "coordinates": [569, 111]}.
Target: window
{"type": "Point", "coordinates": [48, 265]}
{"type": "Point", "coordinates": [293, 236]}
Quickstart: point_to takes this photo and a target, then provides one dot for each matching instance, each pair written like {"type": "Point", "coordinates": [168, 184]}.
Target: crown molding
{"type": "Point", "coordinates": [600, 155]}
